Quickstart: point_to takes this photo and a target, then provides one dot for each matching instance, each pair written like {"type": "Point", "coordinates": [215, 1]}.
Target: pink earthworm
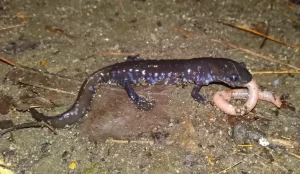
{"type": "Point", "coordinates": [253, 94]}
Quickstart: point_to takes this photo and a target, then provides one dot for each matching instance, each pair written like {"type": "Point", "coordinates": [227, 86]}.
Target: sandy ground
{"type": "Point", "coordinates": [71, 39]}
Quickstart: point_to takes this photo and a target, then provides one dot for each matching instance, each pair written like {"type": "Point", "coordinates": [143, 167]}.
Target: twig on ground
{"type": "Point", "coordinates": [230, 167]}
{"type": "Point", "coordinates": [276, 72]}
{"type": "Point", "coordinates": [111, 140]}
{"type": "Point", "coordinates": [5, 60]}
{"type": "Point", "coordinates": [269, 58]}
{"type": "Point", "coordinates": [12, 26]}
{"type": "Point", "coordinates": [294, 19]}
{"type": "Point", "coordinates": [27, 125]}
{"type": "Point", "coordinates": [245, 28]}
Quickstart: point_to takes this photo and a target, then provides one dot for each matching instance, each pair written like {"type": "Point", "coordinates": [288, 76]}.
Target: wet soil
{"type": "Point", "coordinates": [67, 40]}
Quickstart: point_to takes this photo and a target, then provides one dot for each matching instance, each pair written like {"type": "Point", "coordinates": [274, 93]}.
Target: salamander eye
{"type": "Point", "coordinates": [233, 77]}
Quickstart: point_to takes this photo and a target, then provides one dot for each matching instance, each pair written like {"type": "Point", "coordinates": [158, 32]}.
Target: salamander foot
{"type": "Point", "coordinates": [145, 105]}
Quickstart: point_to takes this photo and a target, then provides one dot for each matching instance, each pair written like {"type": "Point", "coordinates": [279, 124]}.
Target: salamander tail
{"type": "Point", "coordinates": [79, 108]}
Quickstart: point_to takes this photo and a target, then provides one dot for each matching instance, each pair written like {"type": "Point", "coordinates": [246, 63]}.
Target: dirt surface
{"type": "Point", "coordinates": [71, 39]}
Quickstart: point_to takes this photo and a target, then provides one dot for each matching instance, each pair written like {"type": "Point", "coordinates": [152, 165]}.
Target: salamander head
{"type": "Point", "coordinates": [232, 73]}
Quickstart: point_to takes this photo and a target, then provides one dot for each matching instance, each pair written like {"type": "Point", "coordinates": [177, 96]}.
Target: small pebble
{"type": "Point", "coordinates": [276, 83]}
{"type": "Point", "coordinates": [72, 165]}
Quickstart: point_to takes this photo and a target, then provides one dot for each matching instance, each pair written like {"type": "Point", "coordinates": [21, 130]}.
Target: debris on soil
{"type": "Point", "coordinates": [186, 137]}
{"type": "Point", "coordinates": [48, 90]}
{"type": "Point", "coordinates": [72, 165]}
{"type": "Point", "coordinates": [5, 103]}
{"type": "Point", "coordinates": [258, 33]}
{"type": "Point", "coordinates": [46, 81]}
{"type": "Point", "coordinates": [4, 124]}
{"type": "Point", "coordinates": [11, 127]}
{"type": "Point", "coordinates": [285, 143]}
{"type": "Point", "coordinates": [58, 31]}
{"type": "Point", "coordinates": [6, 60]}
{"type": "Point", "coordinates": [19, 47]}
{"type": "Point", "coordinates": [243, 133]}
{"type": "Point", "coordinates": [113, 115]}
{"type": "Point", "coordinates": [296, 2]}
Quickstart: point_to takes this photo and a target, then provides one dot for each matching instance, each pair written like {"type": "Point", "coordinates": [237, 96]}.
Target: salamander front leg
{"type": "Point", "coordinates": [141, 102]}
{"type": "Point", "coordinates": [195, 94]}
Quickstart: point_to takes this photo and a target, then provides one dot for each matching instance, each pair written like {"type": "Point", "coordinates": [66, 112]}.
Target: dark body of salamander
{"type": "Point", "coordinates": [199, 71]}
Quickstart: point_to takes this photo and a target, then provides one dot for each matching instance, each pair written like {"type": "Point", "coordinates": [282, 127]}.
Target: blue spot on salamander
{"type": "Point", "coordinates": [92, 89]}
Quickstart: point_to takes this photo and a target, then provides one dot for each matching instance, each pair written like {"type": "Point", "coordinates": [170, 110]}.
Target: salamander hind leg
{"type": "Point", "coordinates": [141, 102]}
{"type": "Point", "coordinates": [195, 94]}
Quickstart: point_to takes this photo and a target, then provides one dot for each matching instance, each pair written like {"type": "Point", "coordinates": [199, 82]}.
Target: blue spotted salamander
{"type": "Point", "coordinates": [135, 70]}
